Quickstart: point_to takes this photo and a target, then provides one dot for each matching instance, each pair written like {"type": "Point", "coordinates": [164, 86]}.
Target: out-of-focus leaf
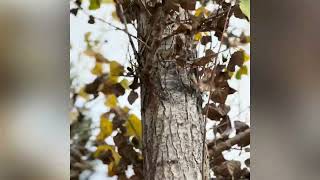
{"type": "Point", "coordinates": [94, 4]}
{"type": "Point", "coordinates": [245, 7]}
{"type": "Point", "coordinates": [200, 11]}
{"type": "Point", "coordinates": [82, 93]}
{"type": "Point", "coordinates": [94, 87]}
{"type": "Point", "coordinates": [98, 69]}
{"type": "Point", "coordinates": [109, 156]}
{"type": "Point", "coordinates": [111, 88]}
{"type": "Point", "coordinates": [237, 59]}
{"type": "Point", "coordinates": [111, 101]}
{"type": "Point", "coordinates": [246, 57]}
{"type": "Point", "coordinates": [115, 16]}
{"type": "Point", "coordinates": [205, 40]}
{"type": "Point", "coordinates": [116, 69]}
{"type": "Point", "coordinates": [133, 125]}
{"type": "Point", "coordinates": [87, 40]}
{"type": "Point", "coordinates": [198, 36]}
{"type": "Point", "coordinates": [188, 4]}
{"type": "Point", "coordinates": [234, 168]}
{"type": "Point", "coordinates": [242, 71]}
{"type": "Point", "coordinates": [107, 1]}
{"type": "Point", "coordinates": [112, 80]}
{"type": "Point", "coordinates": [105, 128]}
{"type": "Point", "coordinates": [124, 83]}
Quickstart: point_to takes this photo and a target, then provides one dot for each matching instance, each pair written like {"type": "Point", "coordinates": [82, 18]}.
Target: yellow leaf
{"type": "Point", "coordinates": [246, 57]}
{"type": "Point", "coordinates": [111, 101]}
{"type": "Point", "coordinates": [199, 11]}
{"type": "Point", "coordinates": [230, 73]}
{"type": "Point", "coordinates": [107, 1]}
{"type": "Point", "coordinates": [112, 80]}
{"type": "Point", "coordinates": [90, 53]}
{"type": "Point", "coordinates": [115, 16]}
{"type": "Point", "coordinates": [111, 169]}
{"type": "Point", "coordinates": [124, 83]}
{"type": "Point", "coordinates": [116, 69]}
{"type": "Point", "coordinates": [83, 94]}
{"type": "Point", "coordinates": [105, 148]}
{"type": "Point", "coordinates": [134, 127]}
{"type": "Point", "coordinates": [242, 71]}
{"type": "Point", "coordinates": [98, 69]}
{"type": "Point", "coordinates": [125, 109]}
{"type": "Point", "coordinates": [198, 36]}
{"type": "Point", "coordinates": [105, 128]}
{"type": "Point", "coordinates": [114, 161]}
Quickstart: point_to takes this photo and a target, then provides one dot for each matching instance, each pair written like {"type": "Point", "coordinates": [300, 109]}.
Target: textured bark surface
{"type": "Point", "coordinates": [171, 108]}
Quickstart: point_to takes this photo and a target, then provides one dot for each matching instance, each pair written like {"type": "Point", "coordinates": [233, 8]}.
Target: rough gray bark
{"type": "Point", "coordinates": [173, 125]}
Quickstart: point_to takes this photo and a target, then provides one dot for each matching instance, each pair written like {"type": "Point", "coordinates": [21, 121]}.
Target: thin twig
{"type": "Point", "coordinates": [114, 26]}
{"type": "Point", "coordinates": [210, 94]}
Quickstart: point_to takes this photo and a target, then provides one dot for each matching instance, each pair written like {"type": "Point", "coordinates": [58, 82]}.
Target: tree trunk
{"type": "Point", "coordinates": [173, 125]}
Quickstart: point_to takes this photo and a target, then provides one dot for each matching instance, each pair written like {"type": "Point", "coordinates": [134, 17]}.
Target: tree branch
{"type": "Point", "coordinates": [220, 147]}
{"type": "Point", "coordinates": [130, 39]}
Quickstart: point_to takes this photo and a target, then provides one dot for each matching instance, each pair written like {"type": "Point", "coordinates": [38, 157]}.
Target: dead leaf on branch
{"type": "Point", "coordinates": [132, 97]}
{"type": "Point", "coordinates": [247, 162]}
{"type": "Point", "coordinates": [183, 28]}
{"type": "Point", "coordinates": [237, 59]}
{"type": "Point", "coordinates": [209, 55]}
{"type": "Point", "coordinates": [135, 84]}
{"type": "Point", "coordinates": [205, 40]}
{"type": "Point", "coordinates": [220, 94]}
{"type": "Point", "coordinates": [224, 127]}
{"type": "Point", "coordinates": [234, 168]}
{"type": "Point", "coordinates": [188, 4]}
{"type": "Point", "coordinates": [216, 112]}
{"type": "Point", "coordinates": [228, 170]}
{"type": "Point", "coordinates": [240, 126]}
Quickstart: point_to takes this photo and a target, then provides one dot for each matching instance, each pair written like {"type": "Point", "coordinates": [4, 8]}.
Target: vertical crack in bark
{"type": "Point", "coordinates": [172, 120]}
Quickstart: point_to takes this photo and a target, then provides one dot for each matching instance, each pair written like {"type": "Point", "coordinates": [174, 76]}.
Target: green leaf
{"type": "Point", "coordinates": [245, 7]}
{"type": "Point", "coordinates": [242, 71]}
{"type": "Point", "coordinates": [94, 4]}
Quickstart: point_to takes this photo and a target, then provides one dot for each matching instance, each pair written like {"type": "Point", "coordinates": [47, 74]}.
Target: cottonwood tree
{"type": "Point", "coordinates": [180, 87]}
